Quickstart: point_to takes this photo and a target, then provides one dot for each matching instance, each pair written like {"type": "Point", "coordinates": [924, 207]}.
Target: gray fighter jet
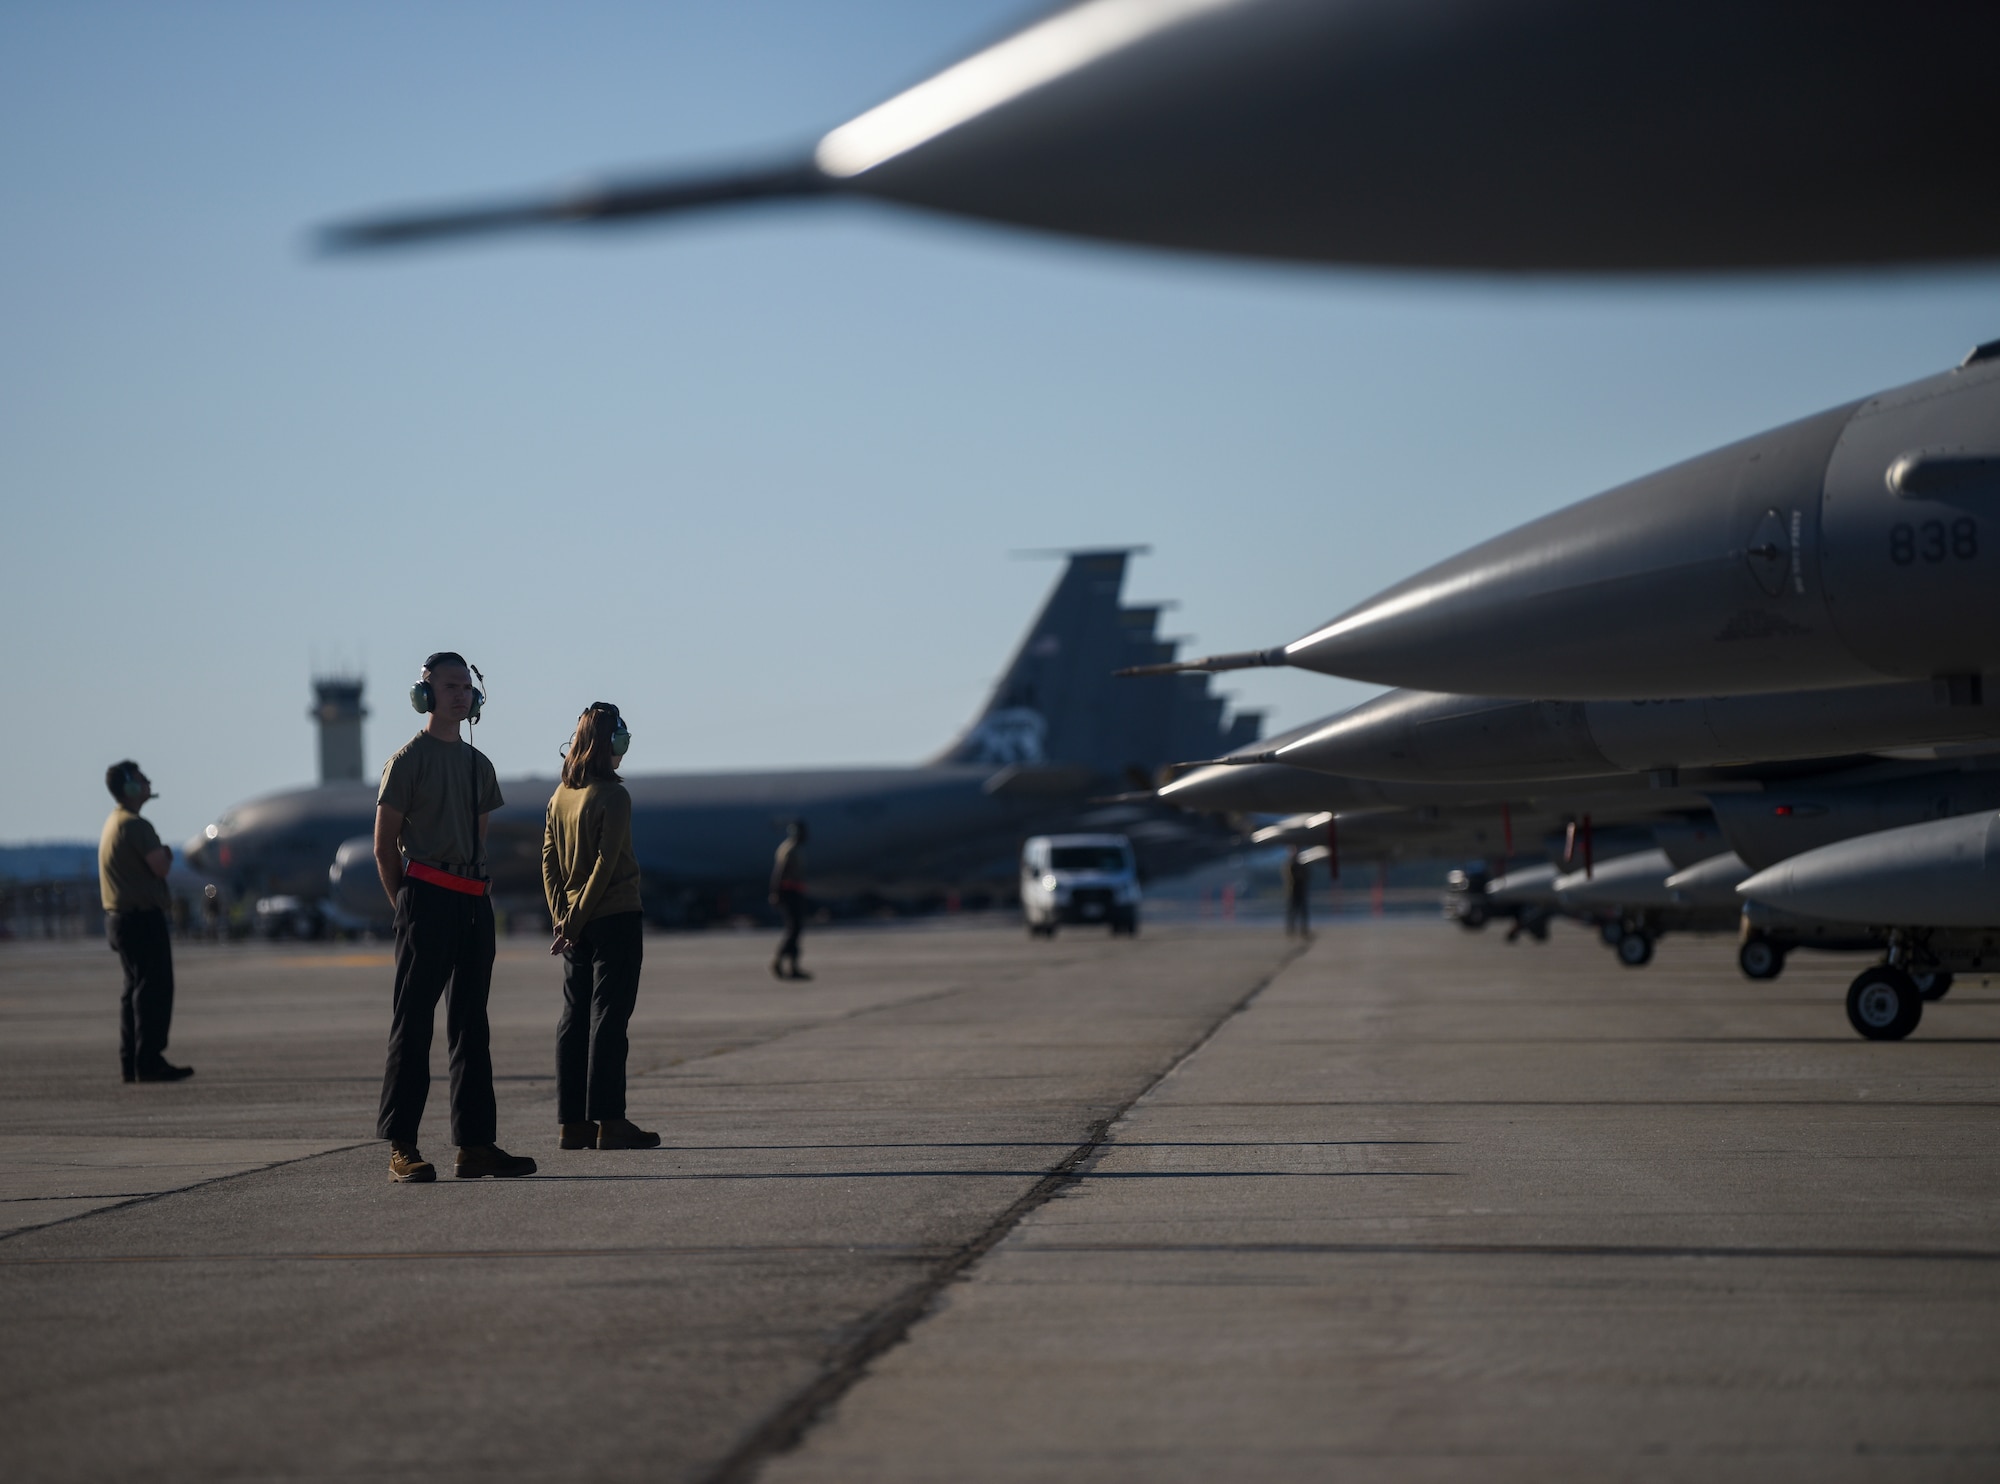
{"type": "Point", "coordinates": [1523, 135]}
{"type": "Point", "coordinates": [1419, 736]}
{"type": "Point", "coordinates": [1849, 548]}
{"type": "Point", "coordinates": [1054, 736]}
{"type": "Point", "coordinates": [1932, 890]}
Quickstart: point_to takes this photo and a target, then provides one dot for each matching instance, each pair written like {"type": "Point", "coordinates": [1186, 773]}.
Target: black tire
{"type": "Point", "coordinates": [1635, 950]}
{"type": "Point", "coordinates": [1883, 1003]}
{"type": "Point", "coordinates": [1760, 958]}
{"type": "Point", "coordinates": [1934, 984]}
{"type": "Point", "coordinates": [1472, 916]}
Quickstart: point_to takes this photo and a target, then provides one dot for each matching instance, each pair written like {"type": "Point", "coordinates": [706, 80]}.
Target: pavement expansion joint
{"type": "Point", "coordinates": [891, 1324]}
{"type": "Point", "coordinates": [128, 1203]}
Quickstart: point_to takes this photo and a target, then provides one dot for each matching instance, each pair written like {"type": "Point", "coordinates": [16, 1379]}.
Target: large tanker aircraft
{"type": "Point", "coordinates": [1056, 733]}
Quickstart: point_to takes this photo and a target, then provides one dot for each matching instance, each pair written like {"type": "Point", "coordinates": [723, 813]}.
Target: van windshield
{"type": "Point", "coordinates": [1087, 858]}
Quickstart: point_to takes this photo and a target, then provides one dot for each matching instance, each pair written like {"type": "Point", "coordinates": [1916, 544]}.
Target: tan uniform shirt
{"type": "Point", "coordinates": [588, 869]}
{"type": "Point", "coordinates": [125, 881]}
{"type": "Point", "coordinates": [430, 783]}
{"type": "Point", "coordinates": [788, 867]}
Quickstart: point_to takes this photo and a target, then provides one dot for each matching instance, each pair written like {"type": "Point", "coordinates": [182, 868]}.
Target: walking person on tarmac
{"type": "Point", "coordinates": [430, 848]}
{"type": "Point", "coordinates": [592, 881]}
{"type": "Point", "coordinates": [788, 895]}
{"type": "Point", "coordinates": [132, 868]}
{"type": "Point", "coordinates": [1297, 895]}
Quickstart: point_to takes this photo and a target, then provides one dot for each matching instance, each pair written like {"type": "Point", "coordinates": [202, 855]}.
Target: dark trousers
{"type": "Point", "coordinates": [793, 905]}
{"type": "Point", "coordinates": [444, 946]}
{"type": "Point", "coordinates": [1297, 918]}
{"type": "Point", "coordinates": [600, 987]}
{"type": "Point", "coordinates": [146, 1008]}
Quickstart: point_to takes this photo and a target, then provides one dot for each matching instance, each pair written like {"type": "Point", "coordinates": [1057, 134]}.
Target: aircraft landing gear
{"type": "Point", "coordinates": [1884, 1003]}
{"type": "Point", "coordinates": [1933, 984]}
{"type": "Point", "coordinates": [1760, 958]}
{"type": "Point", "coordinates": [1635, 949]}
{"type": "Point", "coordinates": [1041, 930]}
{"type": "Point", "coordinates": [1611, 932]}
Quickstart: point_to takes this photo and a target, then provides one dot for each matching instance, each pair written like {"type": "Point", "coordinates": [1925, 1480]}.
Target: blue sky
{"type": "Point", "coordinates": [756, 476]}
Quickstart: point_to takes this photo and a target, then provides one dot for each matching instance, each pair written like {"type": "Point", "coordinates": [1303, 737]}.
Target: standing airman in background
{"type": "Point", "coordinates": [788, 895]}
{"type": "Point", "coordinates": [591, 878]}
{"type": "Point", "coordinates": [132, 868]}
{"type": "Point", "coordinates": [1297, 894]}
{"type": "Point", "coordinates": [430, 848]}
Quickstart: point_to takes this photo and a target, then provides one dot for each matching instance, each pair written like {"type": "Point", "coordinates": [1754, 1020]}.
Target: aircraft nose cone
{"type": "Point", "coordinates": [1419, 736]}
{"type": "Point", "coordinates": [1942, 873]}
{"type": "Point", "coordinates": [1701, 579]}
{"type": "Point", "coordinates": [1264, 788]}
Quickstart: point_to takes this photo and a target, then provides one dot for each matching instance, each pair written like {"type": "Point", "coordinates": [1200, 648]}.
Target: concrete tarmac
{"type": "Point", "coordinates": [1416, 1205]}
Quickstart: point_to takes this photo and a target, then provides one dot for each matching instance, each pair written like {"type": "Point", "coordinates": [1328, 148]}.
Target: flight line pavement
{"type": "Point", "coordinates": [1416, 1205]}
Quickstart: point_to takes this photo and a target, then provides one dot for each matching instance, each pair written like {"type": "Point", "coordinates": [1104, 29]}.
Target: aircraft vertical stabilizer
{"type": "Point", "coordinates": [1057, 702]}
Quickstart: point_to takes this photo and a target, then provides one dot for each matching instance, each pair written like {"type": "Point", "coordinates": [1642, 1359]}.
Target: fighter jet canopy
{"type": "Point", "coordinates": [1521, 135]}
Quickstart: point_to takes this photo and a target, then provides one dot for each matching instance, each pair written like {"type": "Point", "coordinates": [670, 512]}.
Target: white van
{"type": "Point", "coordinates": [1079, 878]}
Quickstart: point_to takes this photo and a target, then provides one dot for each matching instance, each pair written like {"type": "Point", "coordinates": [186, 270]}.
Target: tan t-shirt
{"type": "Point", "coordinates": [430, 783]}
{"type": "Point", "coordinates": [125, 881]}
{"type": "Point", "coordinates": [588, 869]}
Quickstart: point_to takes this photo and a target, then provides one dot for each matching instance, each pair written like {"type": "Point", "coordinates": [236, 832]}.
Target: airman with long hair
{"type": "Point", "coordinates": [591, 878]}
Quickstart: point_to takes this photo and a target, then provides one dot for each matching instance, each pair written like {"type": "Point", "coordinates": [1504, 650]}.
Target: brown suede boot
{"type": "Point", "coordinates": [476, 1161]}
{"type": "Point", "coordinates": [577, 1135]}
{"type": "Point", "coordinates": [622, 1133]}
{"type": "Point", "coordinates": [405, 1163]}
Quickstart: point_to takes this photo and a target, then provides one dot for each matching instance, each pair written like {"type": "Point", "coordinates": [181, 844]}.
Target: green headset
{"type": "Point", "coordinates": [128, 782]}
{"type": "Point", "coordinates": [621, 736]}
{"type": "Point", "coordinates": [423, 698]}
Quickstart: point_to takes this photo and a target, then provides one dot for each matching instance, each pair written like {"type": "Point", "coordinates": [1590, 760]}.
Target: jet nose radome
{"type": "Point", "coordinates": [1942, 873]}
{"type": "Point", "coordinates": [1260, 788]}
{"type": "Point", "coordinates": [1419, 736]}
{"type": "Point", "coordinates": [1805, 557]}
{"type": "Point", "coordinates": [1681, 582]}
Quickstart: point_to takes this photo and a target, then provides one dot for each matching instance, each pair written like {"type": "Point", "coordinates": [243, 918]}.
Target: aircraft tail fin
{"type": "Point", "coordinates": [1057, 700]}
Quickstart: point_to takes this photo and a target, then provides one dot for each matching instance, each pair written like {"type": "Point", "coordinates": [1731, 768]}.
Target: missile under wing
{"type": "Point", "coordinates": [1488, 134]}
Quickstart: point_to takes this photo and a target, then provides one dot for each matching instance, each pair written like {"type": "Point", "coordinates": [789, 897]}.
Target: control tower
{"type": "Point", "coordinates": [338, 710]}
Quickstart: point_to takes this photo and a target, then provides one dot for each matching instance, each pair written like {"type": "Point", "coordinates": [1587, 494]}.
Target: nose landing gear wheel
{"type": "Point", "coordinates": [1884, 1003]}
{"type": "Point", "coordinates": [1635, 950]}
{"type": "Point", "coordinates": [1934, 985]}
{"type": "Point", "coordinates": [1759, 958]}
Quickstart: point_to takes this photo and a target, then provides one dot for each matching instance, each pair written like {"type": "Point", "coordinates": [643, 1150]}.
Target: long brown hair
{"type": "Point", "coordinates": [589, 755]}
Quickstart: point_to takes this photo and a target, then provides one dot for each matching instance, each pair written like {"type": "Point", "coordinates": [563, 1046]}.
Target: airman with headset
{"type": "Point", "coordinates": [591, 878]}
{"type": "Point", "coordinates": [132, 868]}
{"type": "Point", "coordinates": [430, 848]}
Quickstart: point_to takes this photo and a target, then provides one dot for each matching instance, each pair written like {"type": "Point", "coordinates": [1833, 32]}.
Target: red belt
{"type": "Point", "coordinates": [418, 871]}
